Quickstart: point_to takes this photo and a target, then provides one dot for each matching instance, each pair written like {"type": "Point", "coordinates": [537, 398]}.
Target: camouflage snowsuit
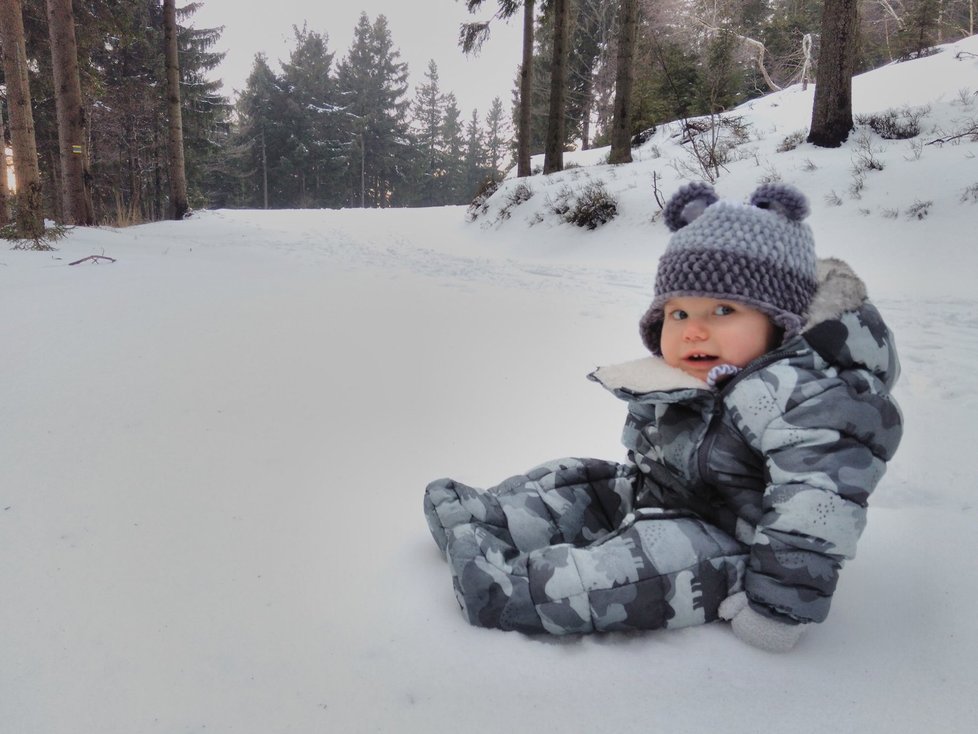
{"type": "Point", "coordinates": [761, 485]}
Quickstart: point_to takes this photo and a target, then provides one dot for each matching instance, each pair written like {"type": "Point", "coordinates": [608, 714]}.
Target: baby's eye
{"type": "Point", "coordinates": [677, 315]}
{"type": "Point", "coordinates": [723, 310]}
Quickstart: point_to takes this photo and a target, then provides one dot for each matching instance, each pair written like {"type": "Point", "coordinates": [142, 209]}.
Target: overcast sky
{"type": "Point", "coordinates": [421, 30]}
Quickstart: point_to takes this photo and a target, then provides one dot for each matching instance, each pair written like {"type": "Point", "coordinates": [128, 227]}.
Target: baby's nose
{"type": "Point", "coordinates": [694, 331]}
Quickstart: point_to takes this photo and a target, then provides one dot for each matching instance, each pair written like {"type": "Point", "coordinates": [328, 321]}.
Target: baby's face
{"type": "Point", "coordinates": [700, 333]}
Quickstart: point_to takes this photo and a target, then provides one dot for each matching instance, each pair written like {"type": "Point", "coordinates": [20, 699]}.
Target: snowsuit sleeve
{"type": "Point", "coordinates": [825, 443]}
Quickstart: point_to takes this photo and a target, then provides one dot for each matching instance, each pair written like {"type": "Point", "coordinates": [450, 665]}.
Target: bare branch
{"type": "Point", "coordinates": [758, 48]}
{"type": "Point", "coordinates": [94, 258]}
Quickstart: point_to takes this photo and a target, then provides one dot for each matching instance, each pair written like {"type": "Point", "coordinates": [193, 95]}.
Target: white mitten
{"type": "Point", "coordinates": [756, 629]}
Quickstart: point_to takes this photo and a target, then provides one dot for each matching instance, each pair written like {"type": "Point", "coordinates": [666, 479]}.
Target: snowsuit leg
{"type": "Point", "coordinates": [660, 569]}
{"type": "Point", "coordinates": [542, 553]}
{"type": "Point", "coordinates": [568, 500]}
{"type": "Point", "coordinates": [486, 534]}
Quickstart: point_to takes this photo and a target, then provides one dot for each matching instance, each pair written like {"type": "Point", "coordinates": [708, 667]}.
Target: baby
{"type": "Point", "coordinates": [755, 433]}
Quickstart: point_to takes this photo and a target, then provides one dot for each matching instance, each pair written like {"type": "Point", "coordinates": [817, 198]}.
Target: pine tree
{"type": "Point", "coordinates": [475, 170]}
{"type": "Point", "coordinates": [313, 119]}
{"type": "Point", "coordinates": [453, 145]}
{"type": "Point", "coordinates": [4, 188]}
{"type": "Point", "coordinates": [177, 170]}
{"type": "Point", "coordinates": [592, 39]}
{"type": "Point", "coordinates": [263, 138]}
{"type": "Point", "coordinates": [495, 140]}
{"type": "Point", "coordinates": [206, 115]}
{"type": "Point", "coordinates": [72, 132]}
{"type": "Point", "coordinates": [372, 86]}
{"type": "Point", "coordinates": [621, 125]}
{"type": "Point", "coordinates": [429, 112]}
{"type": "Point", "coordinates": [554, 146]}
{"type": "Point", "coordinates": [29, 219]}
{"type": "Point", "coordinates": [832, 108]}
{"type": "Point", "coordinates": [472, 36]}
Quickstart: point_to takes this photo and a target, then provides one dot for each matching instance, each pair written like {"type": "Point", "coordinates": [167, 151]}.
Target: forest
{"type": "Point", "coordinates": [126, 123]}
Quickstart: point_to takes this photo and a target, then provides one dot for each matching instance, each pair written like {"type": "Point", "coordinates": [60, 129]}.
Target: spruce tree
{"type": "Point", "coordinates": [428, 112]}
{"type": "Point", "coordinates": [474, 167]}
{"type": "Point", "coordinates": [264, 139]}
{"type": "Point", "coordinates": [453, 144]}
{"type": "Point", "coordinates": [495, 140]}
{"type": "Point", "coordinates": [313, 118]}
{"type": "Point", "coordinates": [372, 85]}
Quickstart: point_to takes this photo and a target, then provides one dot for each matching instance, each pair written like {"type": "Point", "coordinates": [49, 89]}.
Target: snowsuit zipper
{"type": "Point", "coordinates": [710, 437]}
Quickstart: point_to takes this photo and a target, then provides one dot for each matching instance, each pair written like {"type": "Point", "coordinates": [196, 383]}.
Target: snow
{"type": "Point", "coordinates": [212, 455]}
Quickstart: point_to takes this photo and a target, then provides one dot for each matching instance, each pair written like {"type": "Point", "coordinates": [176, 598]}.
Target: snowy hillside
{"type": "Point", "coordinates": [212, 452]}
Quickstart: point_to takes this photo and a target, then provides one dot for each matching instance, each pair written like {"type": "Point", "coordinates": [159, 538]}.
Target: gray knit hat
{"type": "Point", "coordinates": [760, 254]}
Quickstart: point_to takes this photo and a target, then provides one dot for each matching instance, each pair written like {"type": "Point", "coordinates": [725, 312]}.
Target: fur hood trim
{"type": "Point", "coordinates": [839, 290]}
{"type": "Point", "coordinates": [645, 375]}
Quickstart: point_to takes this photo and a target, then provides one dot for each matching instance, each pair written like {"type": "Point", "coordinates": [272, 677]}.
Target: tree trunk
{"type": "Point", "coordinates": [553, 159]}
{"type": "Point", "coordinates": [621, 124]}
{"type": "Point", "coordinates": [77, 204]}
{"type": "Point", "coordinates": [832, 109]}
{"type": "Point", "coordinates": [526, 94]}
{"type": "Point", "coordinates": [29, 217]}
{"type": "Point", "coordinates": [4, 188]}
{"type": "Point", "coordinates": [178, 178]}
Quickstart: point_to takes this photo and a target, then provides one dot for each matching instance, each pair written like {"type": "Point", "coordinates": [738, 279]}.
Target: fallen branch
{"type": "Point", "coordinates": [973, 132]}
{"type": "Point", "coordinates": [94, 259]}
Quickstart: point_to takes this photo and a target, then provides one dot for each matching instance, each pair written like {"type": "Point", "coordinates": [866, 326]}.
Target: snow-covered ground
{"type": "Point", "coordinates": [212, 454]}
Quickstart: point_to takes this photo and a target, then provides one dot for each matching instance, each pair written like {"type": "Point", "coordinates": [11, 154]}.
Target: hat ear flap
{"type": "Point", "coordinates": [783, 199]}
{"type": "Point", "coordinates": [687, 204]}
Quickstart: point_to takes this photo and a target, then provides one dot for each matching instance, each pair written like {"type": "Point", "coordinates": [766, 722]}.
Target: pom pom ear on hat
{"type": "Point", "coordinates": [786, 200]}
{"type": "Point", "coordinates": [688, 204]}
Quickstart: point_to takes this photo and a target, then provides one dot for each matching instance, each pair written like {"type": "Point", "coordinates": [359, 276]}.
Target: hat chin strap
{"type": "Point", "coordinates": [721, 373]}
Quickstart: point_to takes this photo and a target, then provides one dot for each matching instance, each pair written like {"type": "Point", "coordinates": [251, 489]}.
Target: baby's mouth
{"type": "Point", "coordinates": [700, 358]}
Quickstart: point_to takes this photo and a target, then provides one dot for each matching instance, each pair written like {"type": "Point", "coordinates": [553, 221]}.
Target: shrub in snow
{"type": "Point", "coordinates": [919, 209]}
{"type": "Point", "coordinates": [866, 159]}
{"type": "Point", "coordinates": [520, 193]}
{"type": "Point", "coordinates": [641, 138]}
{"type": "Point", "coordinates": [792, 141]}
{"type": "Point", "coordinates": [970, 194]}
{"type": "Point", "coordinates": [517, 194]}
{"type": "Point", "coordinates": [593, 207]}
{"type": "Point", "coordinates": [895, 124]}
{"type": "Point", "coordinates": [480, 203]}
{"type": "Point", "coordinates": [560, 203]}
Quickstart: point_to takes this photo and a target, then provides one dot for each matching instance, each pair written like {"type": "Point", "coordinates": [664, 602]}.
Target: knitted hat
{"type": "Point", "coordinates": [760, 254]}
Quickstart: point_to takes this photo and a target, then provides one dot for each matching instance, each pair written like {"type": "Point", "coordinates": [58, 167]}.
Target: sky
{"type": "Point", "coordinates": [422, 30]}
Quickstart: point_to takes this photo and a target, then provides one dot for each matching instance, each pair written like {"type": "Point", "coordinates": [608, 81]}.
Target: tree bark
{"type": "Point", "coordinates": [72, 136]}
{"type": "Point", "coordinates": [178, 178]}
{"type": "Point", "coordinates": [621, 123]}
{"type": "Point", "coordinates": [553, 159]}
{"type": "Point", "coordinates": [526, 94]}
{"type": "Point", "coordinates": [29, 217]}
{"type": "Point", "coordinates": [4, 188]}
{"type": "Point", "coordinates": [832, 109]}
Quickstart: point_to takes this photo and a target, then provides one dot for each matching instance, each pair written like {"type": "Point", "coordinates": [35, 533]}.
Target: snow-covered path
{"type": "Point", "coordinates": [212, 464]}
